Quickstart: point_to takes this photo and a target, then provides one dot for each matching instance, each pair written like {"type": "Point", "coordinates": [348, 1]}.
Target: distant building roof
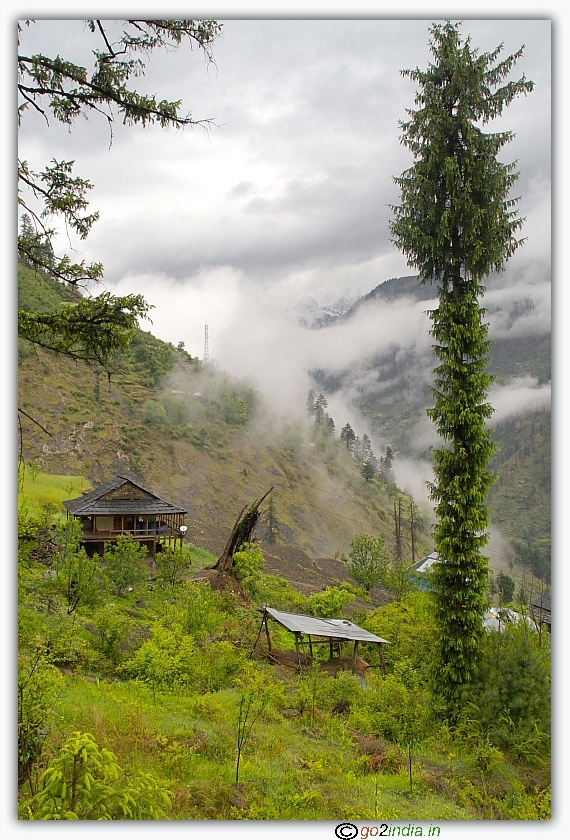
{"type": "Point", "coordinates": [541, 608]}
{"type": "Point", "coordinates": [334, 628]}
{"type": "Point", "coordinates": [426, 564]}
{"type": "Point", "coordinates": [497, 617]}
{"type": "Point", "coordinates": [120, 496]}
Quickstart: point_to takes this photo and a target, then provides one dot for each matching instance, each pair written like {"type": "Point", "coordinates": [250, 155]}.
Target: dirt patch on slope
{"type": "Point", "coordinates": [304, 573]}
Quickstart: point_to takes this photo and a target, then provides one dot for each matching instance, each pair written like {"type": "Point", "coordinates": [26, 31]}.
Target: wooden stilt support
{"type": "Point", "coordinates": [354, 655]}
{"type": "Point", "coordinates": [382, 660]}
{"type": "Point", "coordinates": [297, 649]}
{"type": "Point", "coordinates": [267, 631]}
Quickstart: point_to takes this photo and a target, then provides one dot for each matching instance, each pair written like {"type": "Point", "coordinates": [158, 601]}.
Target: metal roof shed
{"type": "Point", "coordinates": [322, 628]}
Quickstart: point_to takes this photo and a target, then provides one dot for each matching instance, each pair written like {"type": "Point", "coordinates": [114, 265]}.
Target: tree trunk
{"type": "Point", "coordinates": [241, 533]}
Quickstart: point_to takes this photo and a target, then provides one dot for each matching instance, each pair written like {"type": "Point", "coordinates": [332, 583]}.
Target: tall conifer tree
{"type": "Point", "coordinates": [456, 224]}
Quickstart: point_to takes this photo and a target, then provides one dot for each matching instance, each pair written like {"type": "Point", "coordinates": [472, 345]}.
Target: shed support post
{"type": "Point", "coordinates": [354, 655]}
{"type": "Point", "coordinates": [267, 631]}
{"type": "Point", "coordinates": [330, 648]}
{"type": "Point", "coordinates": [297, 649]}
{"type": "Point", "coordinates": [382, 660]}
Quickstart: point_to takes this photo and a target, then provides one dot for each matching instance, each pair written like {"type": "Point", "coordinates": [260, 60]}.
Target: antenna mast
{"type": "Point", "coordinates": [206, 345]}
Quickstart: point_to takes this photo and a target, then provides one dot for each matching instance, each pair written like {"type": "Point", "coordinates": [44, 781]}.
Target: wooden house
{"type": "Point", "coordinates": [121, 506]}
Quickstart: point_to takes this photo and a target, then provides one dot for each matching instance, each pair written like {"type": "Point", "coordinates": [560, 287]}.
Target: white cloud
{"type": "Point", "coordinates": [521, 395]}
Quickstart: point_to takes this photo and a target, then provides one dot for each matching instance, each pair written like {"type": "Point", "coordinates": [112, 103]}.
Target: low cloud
{"type": "Point", "coordinates": [521, 395]}
{"type": "Point", "coordinates": [413, 476]}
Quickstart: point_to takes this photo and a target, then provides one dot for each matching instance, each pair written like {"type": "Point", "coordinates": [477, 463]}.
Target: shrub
{"type": "Point", "coordinates": [410, 628]}
{"type": "Point", "coordinates": [511, 689]}
{"type": "Point", "coordinates": [369, 560]}
{"type": "Point", "coordinates": [330, 602]}
{"type": "Point", "coordinates": [176, 409]}
{"type": "Point", "coordinates": [172, 563]}
{"type": "Point", "coordinates": [38, 686]}
{"type": "Point", "coordinates": [124, 564]}
{"type": "Point", "coordinates": [248, 563]}
{"type": "Point", "coordinates": [171, 660]}
{"type": "Point", "coordinates": [203, 609]}
{"type": "Point", "coordinates": [154, 413]}
{"type": "Point", "coordinates": [85, 782]}
{"type": "Point", "coordinates": [277, 592]}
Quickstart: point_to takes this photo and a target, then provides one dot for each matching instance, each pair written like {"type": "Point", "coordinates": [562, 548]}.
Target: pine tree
{"type": "Point", "coordinates": [368, 470]}
{"type": "Point", "coordinates": [311, 403]}
{"type": "Point", "coordinates": [347, 436]}
{"type": "Point", "coordinates": [456, 223]}
{"type": "Point", "coordinates": [272, 522]}
{"type": "Point", "coordinates": [320, 406]}
{"type": "Point", "coordinates": [367, 451]}
{"type": "Point", "coordinates": [357, 452]}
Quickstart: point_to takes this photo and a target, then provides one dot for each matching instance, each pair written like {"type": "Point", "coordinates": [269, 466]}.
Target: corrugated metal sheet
{"type": "Point", "coordinates": [427, 563]}
{"type": "Point", "coordinates": [334, 628]}
{"type": "Point", "coordinates": [91, 504]}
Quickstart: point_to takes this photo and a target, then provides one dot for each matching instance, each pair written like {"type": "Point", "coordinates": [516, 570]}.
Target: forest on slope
{"type": "Point", "coordinates": [391, 391]}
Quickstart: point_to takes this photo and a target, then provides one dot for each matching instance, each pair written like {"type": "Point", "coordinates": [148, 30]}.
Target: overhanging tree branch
{"type": "Point", "coordinates": [55, 87]}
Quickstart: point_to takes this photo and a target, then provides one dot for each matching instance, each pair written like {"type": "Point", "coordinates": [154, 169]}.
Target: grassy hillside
{"type": "Point", "coordinates": [201, 440]}
{"type": "Point", "coordinates": [37, 489]}
{"type": "Point", "coordinates": [520, 499]}
{"type": "Point", "coordinates": [147, 696]}
{"type": "Point", "coordinates": [154, 685]}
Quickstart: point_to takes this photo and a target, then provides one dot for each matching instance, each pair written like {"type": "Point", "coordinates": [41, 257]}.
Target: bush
{"type": "Point", "coordinates": [124, 564]}
{"type": "Point", "coordinates": [176, 409]}
{"type": "Point", "coordinates": [172, 563]}
{"type": "Point", "coordinates": [38, 686]}
{"type": "Point", "coordinates": [113, 632]}
{"type": "Point", "coordinates": [171, 660]}
{"type": "Point", "coordinates": [511, 689]}
{"type": "Point", "coordinates": [203, 610]}
{"type": "Point", "coordinates": [410, 628]}
{"type": "Point", "coordinates": [369, 560]}
{"type": "Point", "coordinates": [277, 592]}
{"type": "Point", "coordinates": [392, 710]}
{"type": "Point", "coordinates": [85, 782]}
{"type": "Point", "coordinates": [330, 602]}
{"type": "Point", "coordinates": [248, 563]}
{"type": "Point", "coordinates": [154, 413]}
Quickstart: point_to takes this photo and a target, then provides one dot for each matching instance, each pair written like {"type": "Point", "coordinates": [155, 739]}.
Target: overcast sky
{"type": "Point", "coordinates": [289, 194]}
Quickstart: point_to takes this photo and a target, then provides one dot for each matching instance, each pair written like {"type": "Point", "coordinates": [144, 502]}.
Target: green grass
{"type": "Point", "coordinates": [309, 756]}
{"type": "Point", "coordinates": [291, 768]}
{"type": "Point", "coordinates": [202, 559]}
{"type": "Point", "coordinates": [37, 489]}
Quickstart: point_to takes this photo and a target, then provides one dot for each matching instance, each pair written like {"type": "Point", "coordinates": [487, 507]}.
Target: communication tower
{"type": "Point", "coordinates": [206, 345]}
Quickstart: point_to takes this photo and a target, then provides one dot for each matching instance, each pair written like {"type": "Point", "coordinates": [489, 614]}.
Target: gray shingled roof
{"type": "Point", "coordinates": [92, 503]}
{"type": "Point", "coordinates": [334, 628]}
{"type": "Point", "coordinates": [542, 602]}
